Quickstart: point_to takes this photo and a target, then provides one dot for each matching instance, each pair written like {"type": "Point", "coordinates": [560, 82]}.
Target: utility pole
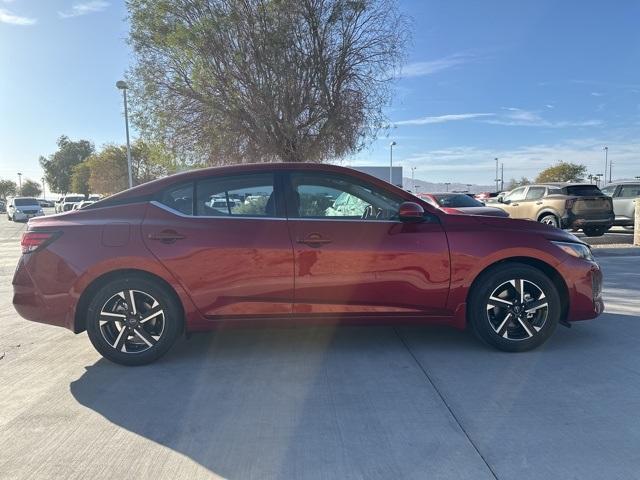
{"type": "Point", "coordinates": [502, 177]}
{"type": "Point", "coordinates": [44, 189]}
{"type": "Point", "coordinates": [496, 177]}
{"type": "Point", "coordinates": [19, 183]}
{"type": "Point", "coordinates": [606, 161]}
{"type": "Point", "coordinates": [122, 85]}
{"type": "Point", "coordinates": [391, 145]}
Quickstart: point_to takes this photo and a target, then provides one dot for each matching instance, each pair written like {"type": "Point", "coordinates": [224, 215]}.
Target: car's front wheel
{"type": "Point", "coordinates": [133, 320]}
{"type": "Point", "coordinates": [514, 307]}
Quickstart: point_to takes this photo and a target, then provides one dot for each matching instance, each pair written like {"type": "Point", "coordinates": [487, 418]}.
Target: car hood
{"type": "Point", "coordinates": [528, 226]}
{"type": "Point", "coordinates": [491, 211]}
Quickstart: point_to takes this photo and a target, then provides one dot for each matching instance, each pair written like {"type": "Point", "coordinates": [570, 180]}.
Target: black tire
{"type": "Point", "coordinates": [137, 340]}
{"type": "Point", "coordinates": [497, 325]}
{"type": "Point", "coordinates": [594, 231]}
{"type": "Point", "coordinates": [550, 219]}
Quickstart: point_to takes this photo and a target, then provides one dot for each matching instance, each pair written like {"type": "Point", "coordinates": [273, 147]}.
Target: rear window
{"type": "Point", "coordinates": [23, 202]}
{"type": "Point", "coordinates": [73, 199]}
{"type": "Point", "coordinates": [582, 191]}
{"type": "Point", "coordinates": [455, 201]}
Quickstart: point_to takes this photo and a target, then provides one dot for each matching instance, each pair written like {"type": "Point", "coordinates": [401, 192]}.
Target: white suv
{"type": "Point", "coordinates": [67, 202]}
{"type": "Point", "coordinates": [23, 208]}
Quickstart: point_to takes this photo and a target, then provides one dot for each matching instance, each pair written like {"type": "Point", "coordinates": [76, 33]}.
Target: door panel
{"type": "Point", "coordinates": [234, 257]}
{"type": "Point", "coordinates": [353, 257]}
{"type": "Point", "coordinates": [370, 267]}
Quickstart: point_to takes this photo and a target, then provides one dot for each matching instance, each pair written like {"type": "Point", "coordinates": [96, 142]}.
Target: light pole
{"type": "Point", "coordinates": [446, 184]}
{"type": "Point", "coordinates": [19, 183]}
{"type": "Point", "coordinates": [496, 177]}
{"type": "Point", "coordinates": [391, 145]}
{"type": "Point", "coordinates": [122, 85]}
{"type": "Point", "coordinates": [606, 161]}
{"type": "Point", "coordinates": [44, 189]}
{"type": "Point", "coordinates": [413, 179]}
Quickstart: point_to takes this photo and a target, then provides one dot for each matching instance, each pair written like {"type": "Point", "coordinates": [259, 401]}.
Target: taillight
{"type": "Point", "coordinates": [32, 241]}
{"type": "Point", "coordinates": [568, 205]}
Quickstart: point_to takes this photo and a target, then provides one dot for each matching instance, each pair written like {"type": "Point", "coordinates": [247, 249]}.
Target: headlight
{"type": "Point", "coordinates": [579, 250]}
{"type": "Point", "coordinates": [18, 210]}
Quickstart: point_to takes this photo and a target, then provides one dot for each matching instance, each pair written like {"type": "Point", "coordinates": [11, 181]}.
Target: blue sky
{"type": "Point", "coordinates": [529, 82]}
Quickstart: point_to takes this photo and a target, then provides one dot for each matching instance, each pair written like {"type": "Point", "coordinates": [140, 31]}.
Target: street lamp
{"type": "Point", "coordinates": [122, 85]}
{"type": "Point", "coordinates": [391, 145]}
{"type": "Point", "coordinates": [606, 161]}
{"type": "Point", "coordinates": [447, 185]}
{"type": "Point", "coordinates": [19, 183]}
{"type": "Point", "coordinates": [44, 189]}
{"type": "Point", "coordinates": [413, 179]}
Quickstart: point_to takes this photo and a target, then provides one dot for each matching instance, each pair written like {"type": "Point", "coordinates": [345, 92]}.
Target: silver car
{"type": "Point", "coordinates": [21, 209]}
{"type": "Point", "coordinates": [624, 196]}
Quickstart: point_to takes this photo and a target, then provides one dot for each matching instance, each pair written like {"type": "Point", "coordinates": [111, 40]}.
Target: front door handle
{"type": "Point", "coordinates": [314, 240]}
{"type": "Point", "coordinates": [166, 236]}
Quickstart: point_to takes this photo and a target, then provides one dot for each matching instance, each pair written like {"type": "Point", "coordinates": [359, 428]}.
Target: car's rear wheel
{"type": "Point", "coordinates": [133, 320]}
{"type": "Point", "coordinates": [514, 307]}
{"type": "Point", "coordinates": [550, 219]}
{"type": "Point", "coordinates": [594, 231]}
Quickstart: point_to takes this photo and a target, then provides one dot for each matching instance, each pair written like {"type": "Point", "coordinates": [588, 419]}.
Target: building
{"type": "Point", "coordinates": [383, 173]}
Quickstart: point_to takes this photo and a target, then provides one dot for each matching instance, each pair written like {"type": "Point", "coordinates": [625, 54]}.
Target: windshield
{"type": "Point", "coordinates": [23, 202]}
{"type": "Point", "coordinates": [582, 191]}
{"type": "Point", "coordinates": [458, 200]}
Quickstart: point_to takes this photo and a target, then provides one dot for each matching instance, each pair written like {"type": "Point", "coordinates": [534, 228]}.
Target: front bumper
{"type": "Point", "coordinates": [584, 284]}
{"type": "Point", "coordinates": [23, 217]}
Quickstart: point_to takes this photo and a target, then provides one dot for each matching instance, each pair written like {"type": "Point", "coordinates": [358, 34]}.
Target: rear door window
{"type": "Point", "coordinates": [250, 195]}
{"type": "Point", "coordinates": [535, 193]}
{"type": "Point", "coordinates": [179, 198]}
{"type": "Point", "coordinates": [629, 191]}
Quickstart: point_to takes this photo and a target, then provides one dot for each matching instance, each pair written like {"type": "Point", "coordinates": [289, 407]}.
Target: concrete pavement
{"type": "Point", "coordinates": [326, 403]}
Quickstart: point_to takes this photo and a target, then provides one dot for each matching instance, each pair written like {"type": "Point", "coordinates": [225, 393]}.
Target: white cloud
{"type": "Point", "coordinates": [512, 116]}
{"type": "Point", "coordinates": [549, 106]}
{"type": "Point", "coordinates": [7, 17]}
{"type": "Point", "coordinates": [442, 118]}
{"type": "Point", "coordinates": [85, 8]}
{"type": "Point", "coordinates": [422, 69]}
{"type": "Point", "coordinates": [596, 94]}
{"type": "Point", "coordinates": [517, 117]}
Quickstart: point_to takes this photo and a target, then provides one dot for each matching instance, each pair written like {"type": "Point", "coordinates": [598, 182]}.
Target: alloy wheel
{"type": "Point", "coordinates": [517, 309]}
{"type": "Point", "coordinates": [132, 321]}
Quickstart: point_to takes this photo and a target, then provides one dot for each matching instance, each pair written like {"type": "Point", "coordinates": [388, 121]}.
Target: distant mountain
{"type": "Point", "coordinates": [430, 187]}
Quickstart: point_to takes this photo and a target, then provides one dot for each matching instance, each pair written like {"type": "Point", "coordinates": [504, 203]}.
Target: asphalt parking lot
{"type": "Point", "coordinates": [326, 403]}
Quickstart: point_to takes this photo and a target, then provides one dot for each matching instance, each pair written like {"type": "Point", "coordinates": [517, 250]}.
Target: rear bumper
{"type": "Point", "coordinates": [23, 217]}
{"type": "Point", "coordinates": [53, 306]}
{"type": "Point", "coordinates": [571, 220]}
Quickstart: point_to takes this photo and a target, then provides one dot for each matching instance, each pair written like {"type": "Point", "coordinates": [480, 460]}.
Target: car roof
{"type": "Point", "coordinates": [24, 198]}
{"type": "Point", "coordinates": [154, 186]}
{"type": "Point", "coordinates": [562, 184]}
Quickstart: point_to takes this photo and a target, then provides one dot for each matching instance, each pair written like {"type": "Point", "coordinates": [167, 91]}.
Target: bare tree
{"type": "Point", "coordinates": [228, 81]}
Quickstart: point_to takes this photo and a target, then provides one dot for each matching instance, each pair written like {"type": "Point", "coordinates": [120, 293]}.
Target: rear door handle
{"type": "Point", "coordinates": [314, 240]}
{"type": "Point", "coordinates": [166, 236]}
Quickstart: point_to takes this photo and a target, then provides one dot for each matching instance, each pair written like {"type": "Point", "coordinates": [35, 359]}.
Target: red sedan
{"type": "Point", "coordinates": [461, 203]}
{"type": "Point", "coordinates": [293, 243]}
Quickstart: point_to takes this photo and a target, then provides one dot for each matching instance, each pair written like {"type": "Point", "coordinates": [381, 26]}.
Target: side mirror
{"type": "Point", "coordinates": [410, 212]}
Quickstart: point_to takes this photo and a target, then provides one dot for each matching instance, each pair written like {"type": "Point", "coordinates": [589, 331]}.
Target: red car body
{"type": "Point", "coordinates": [285, 269]}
